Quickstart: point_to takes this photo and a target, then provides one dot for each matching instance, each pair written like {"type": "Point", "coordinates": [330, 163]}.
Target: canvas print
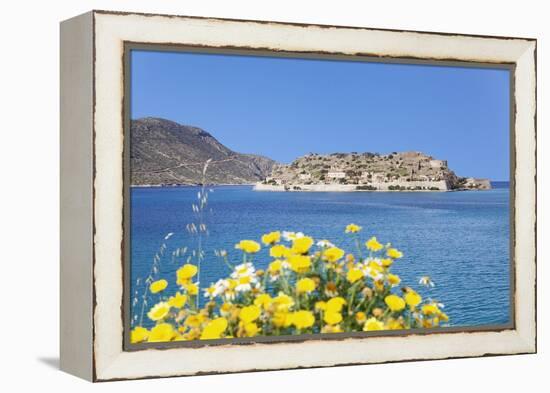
{"type": "Point", "coordinates": [274, 197]}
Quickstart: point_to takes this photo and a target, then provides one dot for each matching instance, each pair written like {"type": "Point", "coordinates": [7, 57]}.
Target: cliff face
{"type": "Point", "coordinates": [163, 152]}
{"type": "Point", "coordinates": [370, 172]}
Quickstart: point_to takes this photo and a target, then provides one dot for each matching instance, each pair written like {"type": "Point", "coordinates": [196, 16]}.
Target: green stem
{"type": "Point", "coordinates": [358, 244]}
{"type": "Point", "coordinates": [353, 289]}
{"type": "Point", "coordinates": [226, 260]}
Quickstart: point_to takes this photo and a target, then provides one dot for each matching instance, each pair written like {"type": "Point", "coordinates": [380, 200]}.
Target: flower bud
{"type": "Point", "coordinates": [367, 292]}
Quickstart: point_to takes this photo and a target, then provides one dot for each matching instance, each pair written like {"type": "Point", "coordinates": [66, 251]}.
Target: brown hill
{"type": "Point", "coordinates": [163, 152]}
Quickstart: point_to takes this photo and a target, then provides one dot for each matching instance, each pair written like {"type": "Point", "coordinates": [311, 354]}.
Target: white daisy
{"type": "Point", "coordinates": [244, 269]}
{"type": "Point", "coordinates": [324, 244]}
{"type": "Point", "coordinates": [372, 273]}
{"type": "Point", "coordinates": [426, 281]}
{"type": "Point", "coordinates": [378, 261]}
{"type": "Point", "coordinates": [246, 283]}
{"type": "Point", "coordinates": [290, 236]}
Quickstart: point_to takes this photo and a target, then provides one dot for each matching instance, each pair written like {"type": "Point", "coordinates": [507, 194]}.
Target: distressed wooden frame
{"type": "Point", "coordinates": [93, 48]}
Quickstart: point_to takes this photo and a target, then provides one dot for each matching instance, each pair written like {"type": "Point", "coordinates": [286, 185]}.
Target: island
{"type": "Point", "coordinates": [346, 172]}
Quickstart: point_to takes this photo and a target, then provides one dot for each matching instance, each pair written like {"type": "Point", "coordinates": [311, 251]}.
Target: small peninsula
{"type": "Point", "coordinates": [345, 172]}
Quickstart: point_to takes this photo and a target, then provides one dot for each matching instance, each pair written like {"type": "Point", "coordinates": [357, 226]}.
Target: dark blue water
{"type": "Point", "coordinates": [459, 239]}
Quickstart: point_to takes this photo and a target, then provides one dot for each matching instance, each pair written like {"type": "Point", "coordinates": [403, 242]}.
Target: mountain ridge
{"type": "Point", "coordinates": [164, 152]}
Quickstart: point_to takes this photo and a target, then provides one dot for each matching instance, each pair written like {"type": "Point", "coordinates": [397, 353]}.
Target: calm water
{"type": "Point", "coordinates": [459, 239]}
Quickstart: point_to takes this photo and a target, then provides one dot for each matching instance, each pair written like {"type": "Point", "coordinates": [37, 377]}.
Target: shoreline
{"type": "Point", "coordinates": [188, 185]}
{"type": "Point", "coordinates": [328, 188]}
{"type": "Point", "coordinates": [303, 188]}
{"type": "Point", "coordinates": [349, 188]}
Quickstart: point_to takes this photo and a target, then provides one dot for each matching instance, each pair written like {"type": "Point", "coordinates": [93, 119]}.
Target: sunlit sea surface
{"type": "Point", "coordinates": [459, 239]}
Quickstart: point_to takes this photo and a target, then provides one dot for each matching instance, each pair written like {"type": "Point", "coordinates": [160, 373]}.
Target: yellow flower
{"type": "Point", "coordinates": [210, 291]}
{"type": "Point", "coordinates": [303, 319]}
{"type": "Point", "coordinates": [430, 309]}
{"type": "Point", "coordinates": [191, 288]}
{"type": "Point", "coordinates": [395, 303]}
{"type": "Point", "coordinates": [232, 283]}
{"type": "Point", "coordinates": [271, 238]}
{"type": "Point", "coordinates": [244, 280]}
{"type": "Point", "coordinates": [185, 273]}
{"type": "Point", "coordinates": [335, 304]}
{"type": "Point", "coordinates": [395, 324]}
{"type": "Point", "coordinates": [354, 275]}
{"type": "Point", "coordinates": [275, 267]}
{"type": "Point", "coordinates": [426, 323]}
{"type": "Point", "coordinates": [162, 332]}
{"type": "Point", "coordinates": [251, 329]}
{"type": "Point", "coordinates": [379, 285]}
{"type": "Point", "coordinates": [360, 317]}
{"type": "Point", "coordinates": [178, 300]}
{"type": "Point", "coordinates": [158, 286]}
{"type": "Point", "coordinates": [412, 298]}
{"type": "Point", "coordinates": [394, 253]}
{"type": "Point", "coordinates": [331, 329]}
{"type": "Point", "coordinates": [194, 320]}
{"type": "Point", "coordinates": [248, 246]}
{"type": "Point", "coordinates": [249, 314]}
{"type": "Point", "coordinates": [331, 289]}
{"type": "Point", "coordinates": [283, 302]}
{"type": "Point", "coordinates": [139, 334]}
{"type": "Point", "coordinates": [373, 244]}
{"type": "Point", "coordinates": [282, 319]}
{"type": "Point", "coordinates": [299, 263]}
{"type": "Point", "coordinates": [332, 318]}
{"type": "Point", "coordinates": [393, 280]}
{"type": "Point", "coordinates": [279, 251]}
{"type": "Point", "coordinates": [373, 324]}
{"type": "Point", "coordinates": [214, 329]}
{"type": "Point", "coordinates": [305, 285]}
{"type": "Point", "coordinates": [159, 311]}
{"type": "Point", "coordinates": [263, 300]}
{"type": "Point", "coordinates": [373, 265]}
{"type": "Point", "coordinates": [320, 306]}
{"type": "Point", "coordinates": [255, 312]}
{"type": "Point", "coordinates": [353, 228]}
{"type": "Point", "coordinates": [302, 245]}
{"type": "Point", "coordinates": [333, 254]}
{"type": "Point", "coordinates": [226, 308]}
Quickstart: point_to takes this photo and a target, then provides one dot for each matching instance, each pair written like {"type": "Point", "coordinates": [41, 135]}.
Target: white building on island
{"type": "Point", "coordinates": [336, 175]}
{"type": "Point", "coordinates": [438, 164]}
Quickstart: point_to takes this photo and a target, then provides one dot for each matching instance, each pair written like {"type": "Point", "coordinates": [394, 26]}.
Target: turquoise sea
{"type": "Point", "coordinates": [459, 239]}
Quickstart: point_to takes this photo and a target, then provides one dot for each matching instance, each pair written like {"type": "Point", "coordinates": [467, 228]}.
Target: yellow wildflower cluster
{"type": "Point", "coordinates": [307, 287]}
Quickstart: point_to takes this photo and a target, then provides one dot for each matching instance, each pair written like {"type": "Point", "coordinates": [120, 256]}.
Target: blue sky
{"type": "Point", "coordinates": [284, 108]}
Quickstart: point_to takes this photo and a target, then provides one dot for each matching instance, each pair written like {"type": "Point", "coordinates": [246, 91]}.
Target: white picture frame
{"type": "Point", "coordinates": [93, 197]}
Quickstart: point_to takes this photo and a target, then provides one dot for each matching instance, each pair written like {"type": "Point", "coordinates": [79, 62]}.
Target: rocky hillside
{"type": "Point", "coordinates": [163, 152]}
